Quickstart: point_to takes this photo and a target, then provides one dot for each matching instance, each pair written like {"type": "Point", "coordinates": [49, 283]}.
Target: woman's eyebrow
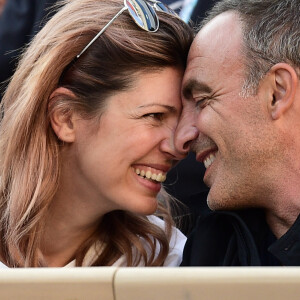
{"type": "Point", "coordinates": [168, 107]}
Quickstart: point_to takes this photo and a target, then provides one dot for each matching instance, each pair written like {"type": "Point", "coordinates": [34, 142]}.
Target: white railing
{"type": "Point", "coordinates": [112, 283]}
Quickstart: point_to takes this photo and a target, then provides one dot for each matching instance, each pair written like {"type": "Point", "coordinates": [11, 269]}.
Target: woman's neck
{"type": "Point", "coordinates": [67, 227]}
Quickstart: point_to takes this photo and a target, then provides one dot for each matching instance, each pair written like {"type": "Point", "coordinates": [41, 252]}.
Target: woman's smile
{"type": "Point", "coordinates": [149, 177]}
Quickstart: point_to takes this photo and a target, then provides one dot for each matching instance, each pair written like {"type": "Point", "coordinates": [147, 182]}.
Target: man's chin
{"type": "Point", "coordinates": [220, 201]}
{"type": "Point", "coordinates": [211, 202]}
{"type": "Point", "coordinates": [216, 202]}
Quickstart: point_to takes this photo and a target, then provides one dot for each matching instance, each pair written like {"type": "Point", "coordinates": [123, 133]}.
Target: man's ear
{"type": "Point", "coordinates": [284, 86]}
{"type": "Point", "coordinates": [62, 117]}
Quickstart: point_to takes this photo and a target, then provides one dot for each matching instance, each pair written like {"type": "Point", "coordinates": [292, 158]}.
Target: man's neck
{"type": "Point", "coordinates": [280, 223]}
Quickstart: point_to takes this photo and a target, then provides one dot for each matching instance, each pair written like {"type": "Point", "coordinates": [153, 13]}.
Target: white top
{"type": "Point", "coordinates": [173, 259]}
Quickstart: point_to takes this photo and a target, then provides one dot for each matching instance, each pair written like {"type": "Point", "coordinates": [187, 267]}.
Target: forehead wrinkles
{"type": "Point", "coordinates": [195, 66]}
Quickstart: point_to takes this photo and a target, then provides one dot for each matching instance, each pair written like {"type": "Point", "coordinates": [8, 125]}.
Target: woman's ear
{"type": "Point", "coordinates": [61, 117]}
{"type": "Point", "coordinates": [284, 86]}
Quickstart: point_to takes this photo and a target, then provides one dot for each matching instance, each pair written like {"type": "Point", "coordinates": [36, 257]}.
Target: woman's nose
{"type": "Point", "coordinates": [167, 146]}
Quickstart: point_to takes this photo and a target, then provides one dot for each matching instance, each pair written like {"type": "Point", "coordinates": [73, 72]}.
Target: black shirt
{"type": "Point", "coordinates": [239, 238]}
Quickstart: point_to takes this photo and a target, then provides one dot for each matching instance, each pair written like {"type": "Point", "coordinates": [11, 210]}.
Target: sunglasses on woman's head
{"type": "Point", "coordinates": [142, 12]}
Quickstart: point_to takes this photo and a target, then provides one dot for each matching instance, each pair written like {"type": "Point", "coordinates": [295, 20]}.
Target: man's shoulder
{"type": "Point", "coordinates": [227, 238]}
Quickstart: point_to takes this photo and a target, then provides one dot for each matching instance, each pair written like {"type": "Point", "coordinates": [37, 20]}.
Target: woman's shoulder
{"type": "Point", "coordinates": [173, 258]}
{"type": "Point", "coordinates": [176, 244]}
{"type": "Point", "coordinates": [3, 266]}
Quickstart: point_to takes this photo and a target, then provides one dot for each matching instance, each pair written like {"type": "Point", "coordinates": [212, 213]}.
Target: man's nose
{"type": "Point", "coordinates": [186, 132]}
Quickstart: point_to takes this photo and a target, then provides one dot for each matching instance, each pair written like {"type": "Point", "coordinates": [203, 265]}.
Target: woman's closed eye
{"type": "Point", "coordinates": [155, 116]}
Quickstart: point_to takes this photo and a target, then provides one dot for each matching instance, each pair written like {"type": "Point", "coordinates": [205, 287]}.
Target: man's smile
{"type": "Point", "coordinates": [209, 159]}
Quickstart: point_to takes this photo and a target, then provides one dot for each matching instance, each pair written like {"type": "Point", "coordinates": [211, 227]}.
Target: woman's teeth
{"type": "Point", "coordinates": [160, 177]}
{"type": "Point", "coordinates": [209, 160]}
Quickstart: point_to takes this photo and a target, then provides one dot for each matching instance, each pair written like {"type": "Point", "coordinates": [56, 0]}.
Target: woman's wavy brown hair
{"type": "Point", "coordinates": [30, 157]}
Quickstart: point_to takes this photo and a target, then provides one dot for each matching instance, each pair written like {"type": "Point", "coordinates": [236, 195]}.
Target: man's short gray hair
{"type": "Point", "coordinates": [271, 32]}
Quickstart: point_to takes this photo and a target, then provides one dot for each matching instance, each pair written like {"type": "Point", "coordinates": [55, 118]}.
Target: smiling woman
{"type": "Point", "coordinates": [86, 139]}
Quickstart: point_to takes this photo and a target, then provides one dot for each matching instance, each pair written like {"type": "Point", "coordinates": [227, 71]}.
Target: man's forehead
{"type": "Point", "coordinates": [216, 48]}
{"type": "Point", "coordinates": [223, 33]}
{"type": "Point", "coordinates": [215, 54]}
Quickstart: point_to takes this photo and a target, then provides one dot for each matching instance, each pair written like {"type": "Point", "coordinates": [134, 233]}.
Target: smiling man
{"type": "Point", "coordinates": [241, 116]}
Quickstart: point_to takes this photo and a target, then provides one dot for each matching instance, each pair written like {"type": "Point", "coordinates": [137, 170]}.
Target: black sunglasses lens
{"type": "Point", "coordinates": [143, 14]}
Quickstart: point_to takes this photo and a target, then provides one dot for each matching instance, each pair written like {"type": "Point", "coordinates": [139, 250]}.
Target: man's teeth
{"type": "Point", "coordinates": [149, 175]}
{"type": "Point", "coordinates": [209, 160]}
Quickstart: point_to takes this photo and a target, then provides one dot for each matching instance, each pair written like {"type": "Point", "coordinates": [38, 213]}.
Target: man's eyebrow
{"type": "Point", "coordinates": [168, 107]}
{"type": "Point", "coordinates": [194, 85]}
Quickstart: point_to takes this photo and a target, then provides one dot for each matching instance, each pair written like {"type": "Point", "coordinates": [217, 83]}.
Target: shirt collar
{"type": "Point", "coordinates": [287, 248]}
